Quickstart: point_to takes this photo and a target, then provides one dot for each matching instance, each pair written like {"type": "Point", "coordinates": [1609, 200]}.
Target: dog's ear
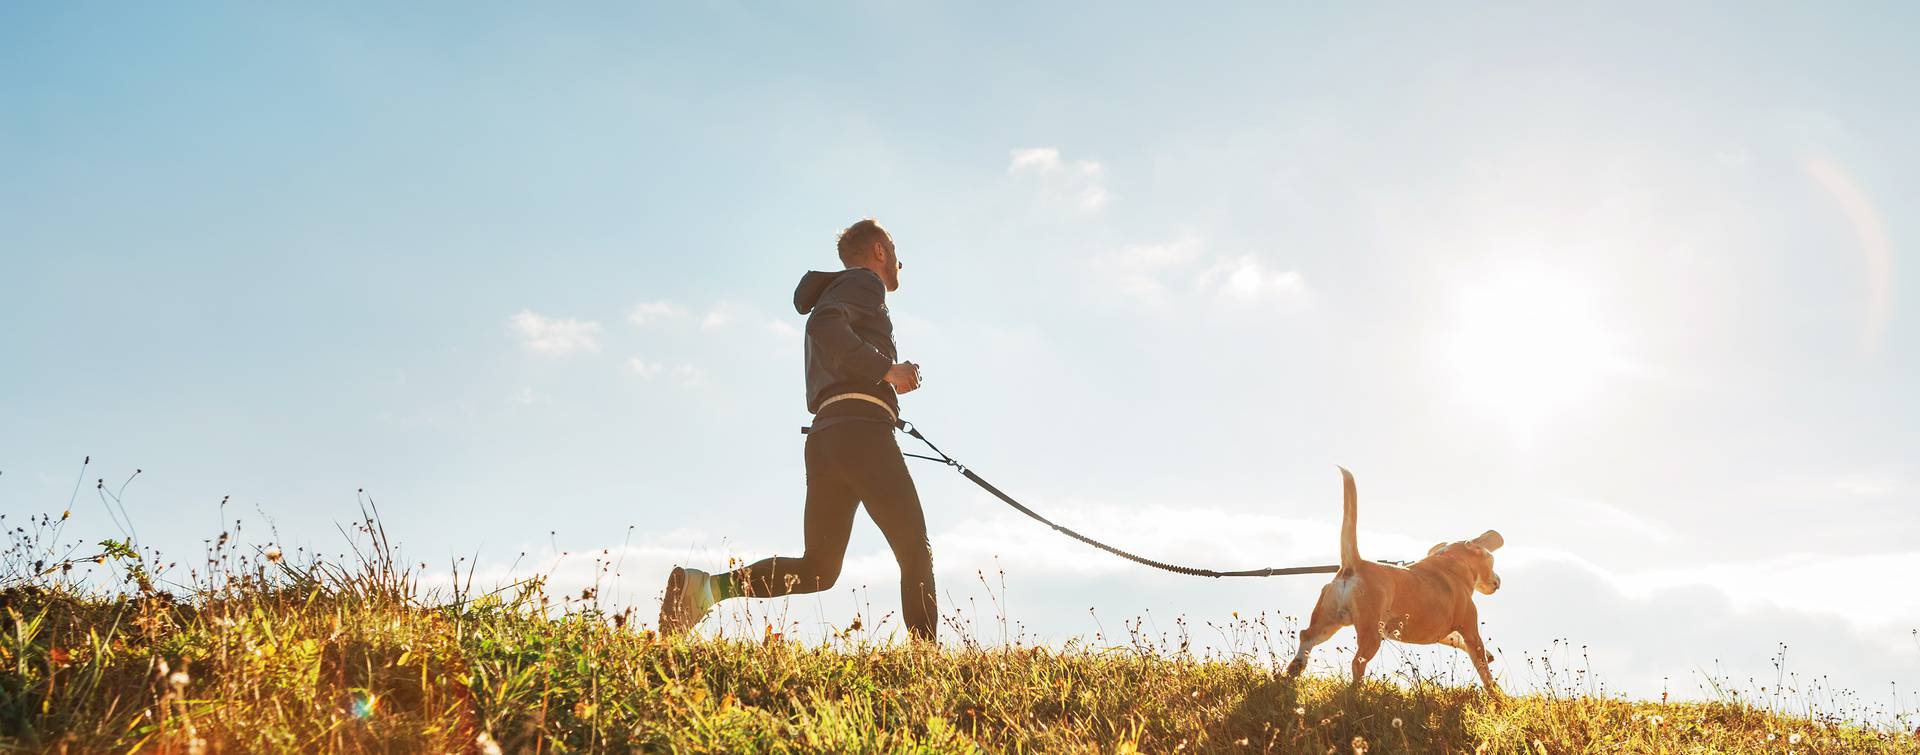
{"type": "Point", "coordinates": [1490, 540]}
{"type": "Point", "coordinates": [1437, 547]}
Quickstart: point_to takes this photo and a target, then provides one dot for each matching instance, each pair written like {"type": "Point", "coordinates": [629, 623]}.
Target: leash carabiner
{"type": "Point", "coordinates": [943, 458]}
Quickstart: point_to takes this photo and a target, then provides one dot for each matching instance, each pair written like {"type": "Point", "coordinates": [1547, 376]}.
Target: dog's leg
{"type": "Point", "coordinates": [1325, 621]}
{"type": "Point", "coordinates": [1367, 647]}
{"type": "Point", "coordinates": [1476, 650]}
{"type": "Point", "coordinates": [1314, 635]}
{"type": "Point", "coordinates": [1369, 624]}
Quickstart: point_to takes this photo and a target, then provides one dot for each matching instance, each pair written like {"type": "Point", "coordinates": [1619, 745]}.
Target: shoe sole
{"type": "Point", "coordinates": [673, 605]}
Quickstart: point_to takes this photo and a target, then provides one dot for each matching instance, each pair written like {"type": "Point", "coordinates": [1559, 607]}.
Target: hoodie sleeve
{"type": "Point", "coordinates": [830, 328]}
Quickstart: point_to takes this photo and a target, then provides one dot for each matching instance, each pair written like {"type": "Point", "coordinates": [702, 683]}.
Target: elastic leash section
{"type": "Point", "coordinates": [1142, 560]}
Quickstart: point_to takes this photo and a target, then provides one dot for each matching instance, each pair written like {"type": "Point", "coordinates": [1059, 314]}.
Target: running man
{"type": "Point", "coordinates": [853, 384]}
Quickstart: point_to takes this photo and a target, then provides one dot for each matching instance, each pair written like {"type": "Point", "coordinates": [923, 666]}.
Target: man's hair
{"type": "Point", "coordinates": [857, 239]}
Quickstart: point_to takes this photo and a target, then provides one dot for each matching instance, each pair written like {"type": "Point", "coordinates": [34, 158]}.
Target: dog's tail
{"type": "Point", "coordinates": [1349, 524]}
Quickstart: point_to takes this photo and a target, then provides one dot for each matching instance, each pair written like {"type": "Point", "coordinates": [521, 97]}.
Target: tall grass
{"type": "Point", "coordinates": [254, 650]}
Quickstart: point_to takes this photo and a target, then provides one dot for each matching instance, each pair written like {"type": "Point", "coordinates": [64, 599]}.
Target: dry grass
{"type": "Point", "coordinates": [256, 653]}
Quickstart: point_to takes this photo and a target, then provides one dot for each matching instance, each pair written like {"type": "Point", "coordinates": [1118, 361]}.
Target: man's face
{"type": "Point", "coordinates": [889, 263]}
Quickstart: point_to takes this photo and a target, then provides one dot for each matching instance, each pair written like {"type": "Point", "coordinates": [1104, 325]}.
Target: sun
{"type": "Point", "coordinates": [1527, 344]}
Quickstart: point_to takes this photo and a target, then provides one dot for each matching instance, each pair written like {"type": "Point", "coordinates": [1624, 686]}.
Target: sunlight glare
{"type": "Point", "coordinates": [1528, 344]}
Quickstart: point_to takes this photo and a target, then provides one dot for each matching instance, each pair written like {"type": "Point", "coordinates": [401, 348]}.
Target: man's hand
{"type": "Point", "coordinates": [904, 377]}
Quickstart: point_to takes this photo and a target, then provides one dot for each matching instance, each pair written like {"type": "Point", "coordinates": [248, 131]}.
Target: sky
{"type": "Point", "coordinates": [1626, 283]}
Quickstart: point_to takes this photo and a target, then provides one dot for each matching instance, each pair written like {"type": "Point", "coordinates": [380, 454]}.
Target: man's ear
{"type": "Point", "coordinates": [1437, 547]}
{"type": "Point", "coordinates": [1490, 540]}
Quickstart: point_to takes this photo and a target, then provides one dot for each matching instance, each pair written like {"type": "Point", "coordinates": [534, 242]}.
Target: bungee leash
{"type": "Point", "coordinates": [943, 458]}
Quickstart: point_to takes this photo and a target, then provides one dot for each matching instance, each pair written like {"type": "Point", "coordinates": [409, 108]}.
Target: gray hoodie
{"type": "Point", "coordinates": [849, 342]}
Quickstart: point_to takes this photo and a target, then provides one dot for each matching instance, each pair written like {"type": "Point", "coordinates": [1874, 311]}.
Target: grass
{"type": "Point", "coordinates": [256, 653]}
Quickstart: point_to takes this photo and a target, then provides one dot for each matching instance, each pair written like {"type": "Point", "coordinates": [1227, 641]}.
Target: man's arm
{"type": "Point", "coordinates": [830, 327]}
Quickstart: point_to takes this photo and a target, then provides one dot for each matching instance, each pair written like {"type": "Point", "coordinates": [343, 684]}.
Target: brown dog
{"type": "Point", "coordinates": [1426, 602]}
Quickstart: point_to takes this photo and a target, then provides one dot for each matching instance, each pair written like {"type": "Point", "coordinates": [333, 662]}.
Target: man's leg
{"type": "Point", "coordinates": [879, 476]}
{"type": "Point", "coordinates": [831, 501]}
{"type": "Point", "coordinates": [828, 522]}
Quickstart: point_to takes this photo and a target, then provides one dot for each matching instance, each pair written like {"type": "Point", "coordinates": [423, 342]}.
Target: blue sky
{"type": "Point", "coordinates": [1626, 283]}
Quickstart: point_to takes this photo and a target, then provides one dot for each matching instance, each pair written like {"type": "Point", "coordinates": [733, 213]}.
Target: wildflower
{"type": "Point", "coordinates": [1794, 738]}
{"type": "Point", "coordinates": [1396, 722]}
{"type": "Point", "coordinates": [486, 744]}
{"type": "Point", "coordinates": [1359, 746]}
{"type": "Point", "coordinates": [1654, 721]}
{"type": "Point", "coordinates": [1300, 711]}
{"type": "Point", "coordinates": [273, 554]}
{"type": "Point", "coordinates": [179, 679]}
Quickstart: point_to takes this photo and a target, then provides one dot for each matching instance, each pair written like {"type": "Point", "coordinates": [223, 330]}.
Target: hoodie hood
{"type": "Point", "coordinates": [815, 283]}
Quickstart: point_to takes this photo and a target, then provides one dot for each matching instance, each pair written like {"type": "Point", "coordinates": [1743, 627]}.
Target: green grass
{"type": "Point", "coordinates": [256, 654]}
{"type": "Point", "coordinates": [318, 670]}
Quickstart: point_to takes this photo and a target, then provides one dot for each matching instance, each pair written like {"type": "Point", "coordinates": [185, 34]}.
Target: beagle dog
{"type": "Point", "coordinates": [1428, 601]}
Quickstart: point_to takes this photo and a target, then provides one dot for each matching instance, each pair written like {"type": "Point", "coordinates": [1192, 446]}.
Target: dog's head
{"type": "Point", "coordinates": [1477, 556]}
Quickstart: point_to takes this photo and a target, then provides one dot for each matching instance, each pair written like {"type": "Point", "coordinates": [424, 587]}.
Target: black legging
{"type": "Point", "coordinates": [847, 464]}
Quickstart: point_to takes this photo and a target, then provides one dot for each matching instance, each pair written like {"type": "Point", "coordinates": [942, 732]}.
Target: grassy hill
{"type": "Point", "coordinates": [258, 655]}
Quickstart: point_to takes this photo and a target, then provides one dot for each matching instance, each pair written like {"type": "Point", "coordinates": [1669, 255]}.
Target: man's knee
{"type": "Point", "coordinates": [819, 575]}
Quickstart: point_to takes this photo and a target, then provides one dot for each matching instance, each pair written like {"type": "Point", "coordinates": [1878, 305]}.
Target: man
{"type": "Point", "coordinates": [853, 384]}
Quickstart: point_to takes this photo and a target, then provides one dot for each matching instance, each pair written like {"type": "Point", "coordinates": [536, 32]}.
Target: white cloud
{"type": "Point", "coordinates": [1035, 159]}
{"type": "Point", "coordinates": [1246, 278]}
{"type": "Point", "coordinates": [1141, 270]}
{"type": "Point", "coordinates": [526, 396]}
{"type": "Point", "coordinates": [655, 312]}
{"type": "Point", "coordinates": [1153, 273]}
{"type": "Point", "coordinates": [685, 372]}
{"type": "Point", "coordinates": [688, 373]}
{"type": "Point", "coordinates": [555, 336]}
{"type": "Point", "coordinates": [1081, 183]}
{"type": "Point", "coordinates": [782, 328]}
{"type": "Point", "coordinates": [644, 368]}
